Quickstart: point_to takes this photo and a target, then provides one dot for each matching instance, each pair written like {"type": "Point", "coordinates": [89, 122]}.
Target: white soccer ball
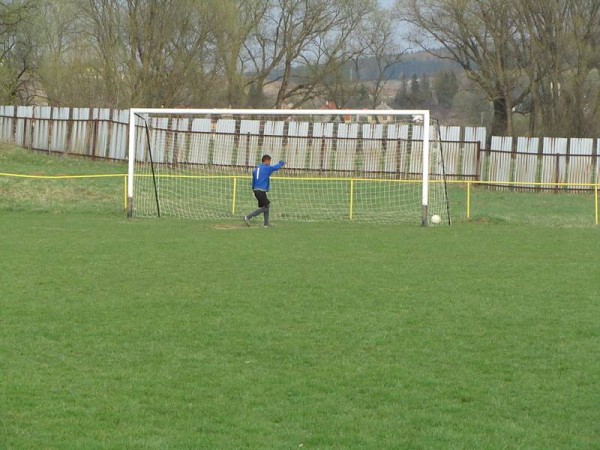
{"type": "Point", "coordinates": [436, 219]}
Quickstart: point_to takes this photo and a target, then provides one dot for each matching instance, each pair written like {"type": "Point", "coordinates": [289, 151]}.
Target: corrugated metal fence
{"type": "Point", "coordinates": [102, 133]}
{"type": "Point", "coordinates": [531, 161]}
{"type": "Point", "coordinates": [338, 147]}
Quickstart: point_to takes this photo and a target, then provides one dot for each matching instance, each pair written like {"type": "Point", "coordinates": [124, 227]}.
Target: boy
{"type": "Point", "coordinates": [261, 177]}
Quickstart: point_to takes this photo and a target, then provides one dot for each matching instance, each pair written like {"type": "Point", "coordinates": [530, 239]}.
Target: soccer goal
{"type": "Point", "coordinates": [384, 166]}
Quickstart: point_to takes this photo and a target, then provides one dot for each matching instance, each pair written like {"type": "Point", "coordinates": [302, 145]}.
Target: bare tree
{"type": "Point", "coordinates": [235, 21]}
{"type": "Point", "coordinates": [541, 31]}
{"type": "Point", "coordinates": [301, 44]}
{"type": "Point", "coordinates": [61, 69]}
{"type": "Point", "coordinates": [377, 42]}
{"type": "Point", "coordinates": [479, 35]}
{"type": "Point", "coordinates": [583, 54]}
{"type": "Point", "coordinates": [153, 52]}
{"type": "Point", "coordinates": [16, 62]}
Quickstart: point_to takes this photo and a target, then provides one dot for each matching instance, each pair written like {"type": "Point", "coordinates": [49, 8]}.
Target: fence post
{"type": "Point", "coordinates": [351, 197]}
{"type": "Point", "coordinates": [50, 129]}
{"type": "Point", "coordinates": [596, 202]}
{"type": "Point", "coordinates": [557, 173]}
{"type": "Point", "coordinates": [469, 200]}
{"type": "Point", "coordinates": [91, 129]}
{"type": "Point", "coordinates": [234, 195]}
{"type": "Point", "coordinates": [13, 128]}
{"type": "Point", "coordinates": [478, 163]}
{"type": "Point", "coordinates": [70, 126]}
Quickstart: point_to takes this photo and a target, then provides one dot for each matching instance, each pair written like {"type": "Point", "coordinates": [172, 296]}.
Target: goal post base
{"type": "Point", "coordinates": [424, 216]}
{"type": "Point", "coordinates": [129, 207]}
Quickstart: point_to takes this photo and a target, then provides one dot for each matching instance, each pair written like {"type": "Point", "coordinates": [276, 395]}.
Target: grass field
{"type": "Point", "coordinates": [119, 333]}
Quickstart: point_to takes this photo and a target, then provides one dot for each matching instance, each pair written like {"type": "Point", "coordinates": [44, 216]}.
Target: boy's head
{"type": "Point", "coordinates": [266, 159]}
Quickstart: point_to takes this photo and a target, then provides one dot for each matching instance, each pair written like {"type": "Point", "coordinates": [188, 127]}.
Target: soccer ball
{"type": "Point", "coordinates": [436, 219]}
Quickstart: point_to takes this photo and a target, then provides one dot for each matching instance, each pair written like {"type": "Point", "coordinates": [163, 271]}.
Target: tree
{"type": "Point", "coordinates": [479, 36]}
{"type": "Point", "coordinates": [470, 105]}
{"type": "Point", "coordinates": [152, 52]}
{"type": "Point", "coordinates": [426, 98]}
{"type": "Point", "coordinates": [66, 64]}
{"type": "Point", "coordinates": [414, 95]}
{"type": "Point", "coordinates": [234, 23]}
{"type": "Point", "coordinates": [445, 87]}
{"type": "Point", "coordinates": [560, 40]}
{"type": "Point", "coordinates": [301, 44]}
{"type": "Point", "coordinates": [377, 42]}
{"type": "Point", "coordinates": [17, 73]}
{"type": "Point", "coordinates": [401, 99]}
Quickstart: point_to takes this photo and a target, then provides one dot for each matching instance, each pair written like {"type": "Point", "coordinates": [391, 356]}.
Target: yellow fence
{"type": "Point", "coordinates": [468, 185]}
{"type": "Point", "coordinates": [73, 177]}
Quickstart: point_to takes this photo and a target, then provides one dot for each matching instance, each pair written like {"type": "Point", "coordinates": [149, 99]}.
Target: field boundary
{"type": "Point", "coordinates": [469, 153]}
{"type": "Point", "coordinates": [551, 187]}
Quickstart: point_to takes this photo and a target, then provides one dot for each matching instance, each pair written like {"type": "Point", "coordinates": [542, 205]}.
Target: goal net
{"type": "Point", "coordinates": [382, 166]}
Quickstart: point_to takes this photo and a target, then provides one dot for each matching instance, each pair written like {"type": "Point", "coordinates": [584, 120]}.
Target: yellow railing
{"type": "Point", "coordinates": [73, 177]}
{"type": "Point", "coordinates": [351, 181]}
{"type": "Point", "coordinates": [520, 184]}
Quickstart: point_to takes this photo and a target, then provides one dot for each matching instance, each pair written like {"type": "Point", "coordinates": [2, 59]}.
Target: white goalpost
{"type": "Point", "coordinates": [381, 166]}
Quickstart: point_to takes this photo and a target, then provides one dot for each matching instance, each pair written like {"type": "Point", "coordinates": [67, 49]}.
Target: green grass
{"type": "Point", "coordinates": [292, 199]}
{"type": "Point", "coordinates": [90, 195]}
{"type": "Point", "coordinates": [119, 333]}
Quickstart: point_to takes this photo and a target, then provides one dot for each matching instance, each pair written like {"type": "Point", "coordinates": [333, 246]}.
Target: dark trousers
{"type": "Point", "coordinates": [263, 206]}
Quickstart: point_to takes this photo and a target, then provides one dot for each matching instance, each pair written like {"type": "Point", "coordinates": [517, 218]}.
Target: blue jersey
{"type": "Point", "coordinates": [261, 176]}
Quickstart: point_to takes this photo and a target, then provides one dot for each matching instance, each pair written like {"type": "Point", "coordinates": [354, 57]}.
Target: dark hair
{"type": "Point", "coordinates": [265, 158]}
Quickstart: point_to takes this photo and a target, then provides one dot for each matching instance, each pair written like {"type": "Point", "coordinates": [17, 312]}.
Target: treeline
{"type": "Point", "coordinates": [210, 53]}
{"type": "Point", "coordinates": [536, 59]}
{"type": "Point", "coordinates": [523, 64]}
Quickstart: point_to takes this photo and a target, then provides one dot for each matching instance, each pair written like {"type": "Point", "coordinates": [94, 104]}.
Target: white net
{"type": "Point", "coordinates": [340, 166]}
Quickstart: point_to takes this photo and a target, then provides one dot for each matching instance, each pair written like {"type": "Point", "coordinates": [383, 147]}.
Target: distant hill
{"type": "Point", "coordinates": [418, 63]}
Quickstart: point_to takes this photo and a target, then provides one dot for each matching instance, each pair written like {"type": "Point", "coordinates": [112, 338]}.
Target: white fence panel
{"type": "Point", "coordinates": [526, 160]}
{"type": "Point", "coordinates": [397, 147]}
{"type": "Point", "coordinates": [224, 141]}
{"type": "Point", "coordinates": [40, 127]}
{"type": "Point", "coordinates": [372, 147]}
{"type": "Point", "coordinates": [7, 123]}
{"type": "Point", "coordinates": [474, 134]}
{"type": "Point", "coordinates": [155, 150]}
{"type": "Point", "coordinates": [452, 151]}
{"type": "Point", "coordinates": [345, 154]}
{"type": "Point", "coordinates": [201, 141]}
{"type": "Point", "coordinates": [581, 161]}
{"type": "Point", "coordinates": [553, 168]}
{"type": "Point", "coordinates": [248, 151]}
{"type": "Point", "coordinates": [297, 145]}
{"type": "Point", "coordinates": [321, 153]}
{"type": "Point", "coordinates": [101, 130]}
{"type": "Point", "coordinates": [415, 149]}
{"type": "Point", "coordinates": [118, 138]}
{"type": "Point", "coordinates": [181, 140]}
{"type": "Point", "coordinates": [500, 158]}
{"type": "Point", "coordinates": [273, 139]}
{"type": "Point", "coordinates": [79, 132]}
{"type": "Point", "coordinates": [23, 126]}
{"type": "Point", "coordinates": [60, 129]}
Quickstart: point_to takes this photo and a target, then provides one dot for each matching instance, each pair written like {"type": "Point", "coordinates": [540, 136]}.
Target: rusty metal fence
{"type": "Point", "coordinates": [521, 163]}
